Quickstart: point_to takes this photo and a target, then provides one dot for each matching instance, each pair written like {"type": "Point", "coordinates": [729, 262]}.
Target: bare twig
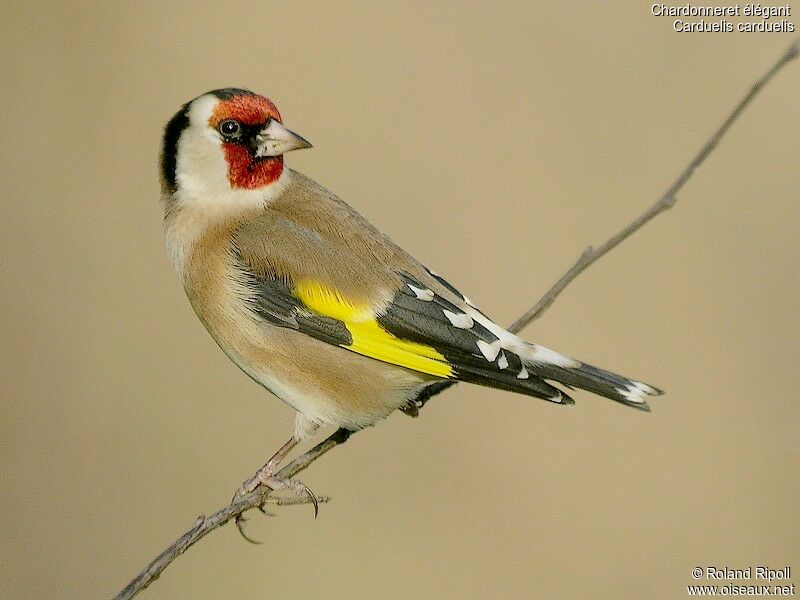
{"type": "Point", "coordinates": [262, 495]}
{"type": "Point", "coordinates": [205, 525]}
{"type": "Point", "coordinates": [590, 255]}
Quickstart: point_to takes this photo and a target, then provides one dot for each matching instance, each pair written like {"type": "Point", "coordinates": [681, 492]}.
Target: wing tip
{"type": "Point", "coordinates": [561, 398]}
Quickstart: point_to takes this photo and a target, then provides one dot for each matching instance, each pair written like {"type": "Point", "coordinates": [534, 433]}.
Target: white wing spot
{"type": "Point", "coordinates": [523, 374]}
{"type": "Point", "coordinates": [557, 399]}
{"type": "Point", "coordinates": [459, 320]}
{"type": "Point", "coordinates": [421, 293]}
{"type": "Point", "coordinates": [502, 361]}
{"type": "Point", "coordinates": [489, 351]}
{"type": "Point", "coordinates": [635, 392]}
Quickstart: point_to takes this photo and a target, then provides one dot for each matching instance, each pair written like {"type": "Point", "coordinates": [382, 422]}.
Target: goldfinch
{"type": "Point", "coordinates": [313, 302]}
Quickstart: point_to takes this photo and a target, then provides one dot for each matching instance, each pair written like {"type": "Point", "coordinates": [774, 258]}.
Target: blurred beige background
{"type": "Point", "coordinates": [495, 142]}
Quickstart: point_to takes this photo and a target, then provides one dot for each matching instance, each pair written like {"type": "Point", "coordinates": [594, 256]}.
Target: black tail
{"type": "Point", "coordinates": [604, 383]}
{"type": "Point", "coordinates": [531, 385]}
{"type": "Point", "coordinates": [528, 369]}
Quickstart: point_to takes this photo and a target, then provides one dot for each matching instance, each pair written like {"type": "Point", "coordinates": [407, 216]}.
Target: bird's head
{"type": "Point", "coordinates": [225, 140]}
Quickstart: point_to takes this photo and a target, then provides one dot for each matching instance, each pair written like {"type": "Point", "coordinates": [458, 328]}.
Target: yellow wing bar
{"type": "Point", "coordinates": [369, 338]}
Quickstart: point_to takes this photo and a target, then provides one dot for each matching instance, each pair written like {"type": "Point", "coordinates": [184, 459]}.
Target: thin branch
{"type": "Point", "coordinates": [262, 495]}
{"type": "Point", "coordinates": [205, 525]}
{"type": "Point", "coordinates": [590, 255]}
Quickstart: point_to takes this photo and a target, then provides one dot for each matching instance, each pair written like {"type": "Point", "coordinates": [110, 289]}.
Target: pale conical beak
{"type": "Point", "coordinates": [275, 140]}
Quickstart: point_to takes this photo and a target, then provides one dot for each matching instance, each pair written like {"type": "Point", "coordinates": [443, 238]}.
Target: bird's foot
{"type": "Point", "coordinates": [267, 476]}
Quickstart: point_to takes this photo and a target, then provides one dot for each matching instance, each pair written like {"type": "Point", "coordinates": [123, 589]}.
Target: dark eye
{"type": "Point", "coordinates": [230, 128]}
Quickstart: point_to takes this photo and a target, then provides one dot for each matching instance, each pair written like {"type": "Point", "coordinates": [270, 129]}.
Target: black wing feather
{"type": "Point", "coordinates": [423, 320]}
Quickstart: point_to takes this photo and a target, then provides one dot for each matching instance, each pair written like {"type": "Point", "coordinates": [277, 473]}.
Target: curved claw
{"type": "Point", "coordinates": [313, 499]}
{"type": "Point", "coordinates": [239, 521]}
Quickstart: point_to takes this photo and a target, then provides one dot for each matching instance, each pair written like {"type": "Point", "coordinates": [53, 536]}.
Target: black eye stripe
{"type": "Point", "coordinates": [247, 137]}
{"type": "Point", "coordinates": [246, 134]}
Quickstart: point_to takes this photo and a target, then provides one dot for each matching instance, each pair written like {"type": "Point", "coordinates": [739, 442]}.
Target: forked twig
{"type": "Point", "coordinates": [261, 495]}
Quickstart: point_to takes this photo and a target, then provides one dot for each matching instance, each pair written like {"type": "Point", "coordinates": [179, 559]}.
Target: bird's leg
{"type": "Point", "coordinates": [340, 436]}
{"type": "Point", "coordinates": [266, 474]}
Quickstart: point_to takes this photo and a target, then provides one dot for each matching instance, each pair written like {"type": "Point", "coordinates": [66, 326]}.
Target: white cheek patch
{"type": "Point", "coordinates": [201, 169]}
